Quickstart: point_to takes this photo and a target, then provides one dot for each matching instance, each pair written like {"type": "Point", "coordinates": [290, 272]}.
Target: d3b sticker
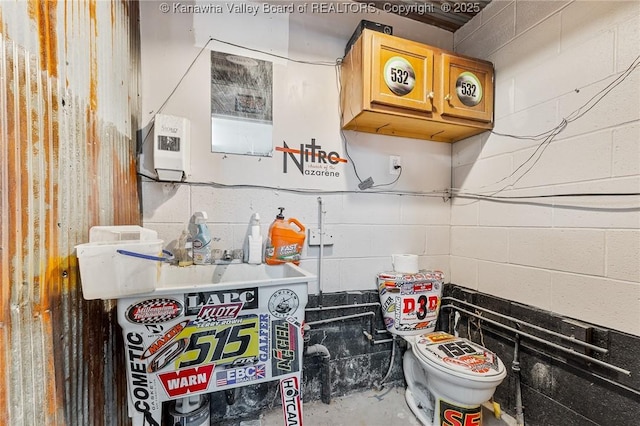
{"type": "Point", "coordinates": [416, 308]}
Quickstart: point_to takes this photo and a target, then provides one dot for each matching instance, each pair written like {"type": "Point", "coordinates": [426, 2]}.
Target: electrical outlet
{"type": "Point", "coordinates": [314, 237]}
{"type": "Point", "coordinates": [394, 164]}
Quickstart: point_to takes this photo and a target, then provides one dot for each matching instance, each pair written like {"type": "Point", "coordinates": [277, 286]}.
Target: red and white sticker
{"type": "Point", "coordinates": [291, 401]}
{"type": "Point", "coordinates": [154, 311]}
{"type": "Point", "coordinates": [187, 381]}
{"type": "Point", "coordinates": [452, 415]}
{"type": "Point", "coordinates": [417, 308]}
{"type": "Point", "coordinates": [164, 339]}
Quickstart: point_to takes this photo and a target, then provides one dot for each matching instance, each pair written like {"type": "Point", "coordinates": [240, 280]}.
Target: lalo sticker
{"type": "Point", "coordinates": [469, 89]}
{"type": "Point", "coordinates": [399, 76]}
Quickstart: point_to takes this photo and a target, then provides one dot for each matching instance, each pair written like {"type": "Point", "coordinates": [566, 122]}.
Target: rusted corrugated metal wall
{"type": "Point", "coordinates": [68, 113]}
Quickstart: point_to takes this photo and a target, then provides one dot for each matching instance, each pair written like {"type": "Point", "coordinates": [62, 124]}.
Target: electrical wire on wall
{"type": "Point", "coordinates": [159, 110]}
{"type": "Point", "coordinates": [546, 138]}
{"type": "Point", "coordinates": [367, 183]}
{"type": "Point", "coordinates": [213, 184]}
{"type": "Point", "coordinates": [336, 64]}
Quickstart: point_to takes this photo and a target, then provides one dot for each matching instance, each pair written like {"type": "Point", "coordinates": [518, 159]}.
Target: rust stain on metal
{"type": "Point", "coordinates": [93, 92]}
{"type": "Point", "coordinates": [43, 14]}
{"type": "Point", "coordinates": [56, 180]}
{"type": "Point", "coordinates": [4, 257]}
{"type": "Point", "coordinates": [21, 172]}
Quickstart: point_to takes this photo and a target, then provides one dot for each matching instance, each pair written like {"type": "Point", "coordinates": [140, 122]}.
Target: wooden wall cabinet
{"type": "Point", "coordinates": [398, 87]}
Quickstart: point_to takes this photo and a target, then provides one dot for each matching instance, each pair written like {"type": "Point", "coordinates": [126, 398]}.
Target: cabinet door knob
{"type": "Point", "coordinates": [430, 95]}
{"type": "Point", "coordinates": [448, 98]}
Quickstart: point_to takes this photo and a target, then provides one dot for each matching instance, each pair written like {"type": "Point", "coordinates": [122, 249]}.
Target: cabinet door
{"type": "Point", "coordinates": [468, 88]}
{"type": "Point", "coordinates": [401, 73]}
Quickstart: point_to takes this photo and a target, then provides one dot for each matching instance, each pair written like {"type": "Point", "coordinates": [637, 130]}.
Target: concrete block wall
{"type": "Point", "coordinates": [367, 228]}
{"type": "Point", "coordinates": [575, 256]}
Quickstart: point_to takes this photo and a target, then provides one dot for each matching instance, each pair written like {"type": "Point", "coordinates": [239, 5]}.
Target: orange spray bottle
{"type": "Point", "coordinates": [285, 242]}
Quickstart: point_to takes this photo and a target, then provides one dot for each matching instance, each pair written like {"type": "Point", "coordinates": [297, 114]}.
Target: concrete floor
{"type": "Point", "coordinates": [369, 408]}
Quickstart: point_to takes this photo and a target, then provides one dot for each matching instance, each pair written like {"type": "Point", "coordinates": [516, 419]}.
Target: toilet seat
{"type": "Point", "coordinates": [457, 356]}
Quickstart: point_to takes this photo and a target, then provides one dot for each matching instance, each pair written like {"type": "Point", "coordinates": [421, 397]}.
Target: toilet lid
{"type": "Point", "coordinates": [458, 355]}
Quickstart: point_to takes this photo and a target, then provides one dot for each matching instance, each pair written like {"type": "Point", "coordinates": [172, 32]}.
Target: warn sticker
{"type": "Point", "coordinates": [189, 380]}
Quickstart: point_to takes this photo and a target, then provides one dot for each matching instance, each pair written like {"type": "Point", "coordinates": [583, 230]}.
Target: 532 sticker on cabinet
{"type": "Point", "coordinates": [467, 88]}
{"type": "Point", "coordinates": [402, 74]}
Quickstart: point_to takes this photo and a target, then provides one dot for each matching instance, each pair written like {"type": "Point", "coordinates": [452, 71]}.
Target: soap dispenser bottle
{"type": "Point", "coordinates": [255, 241]}
{"type": "Point", "coordinates": [285, 240]}
{"type": "Point", "coordinates": [185, 249]}
{"type": "Point", "coordinates": [201, 240]}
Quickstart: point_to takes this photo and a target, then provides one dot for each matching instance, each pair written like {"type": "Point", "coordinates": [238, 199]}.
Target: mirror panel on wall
{"type": "Point", "coordinates": [241, 105]}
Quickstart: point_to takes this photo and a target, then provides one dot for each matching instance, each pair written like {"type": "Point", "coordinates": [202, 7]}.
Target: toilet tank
{"type": "Point", "coordinates": [410, 302]}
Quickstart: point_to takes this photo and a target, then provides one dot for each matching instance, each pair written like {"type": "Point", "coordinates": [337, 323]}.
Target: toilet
{"type": "Point", "coordinates": [448, 377]}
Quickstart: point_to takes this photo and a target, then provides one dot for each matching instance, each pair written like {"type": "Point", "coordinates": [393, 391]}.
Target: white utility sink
{"type": "Point", "coordinates": [225, 276]}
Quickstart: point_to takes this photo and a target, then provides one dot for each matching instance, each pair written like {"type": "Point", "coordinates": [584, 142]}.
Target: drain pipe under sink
{"type": "Point", "coordinates": [325, 372]}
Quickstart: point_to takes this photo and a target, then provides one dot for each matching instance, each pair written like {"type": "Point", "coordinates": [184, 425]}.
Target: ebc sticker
{"type": "Point", "coordinates": [241, 375]}
{"type": "Point", "coordinates": [154, 311]}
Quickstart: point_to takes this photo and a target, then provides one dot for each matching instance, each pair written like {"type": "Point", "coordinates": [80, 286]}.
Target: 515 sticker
{"type": "Point", "coordinates": [220, 343]}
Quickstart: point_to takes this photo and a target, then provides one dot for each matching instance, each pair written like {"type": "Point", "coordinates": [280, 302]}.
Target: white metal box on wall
{"type": "Point", "coordinates": [171, 154]}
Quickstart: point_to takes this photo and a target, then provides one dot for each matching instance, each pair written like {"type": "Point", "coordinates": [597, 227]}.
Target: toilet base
{"type": "Point", "coordinates": [431, 394]}
{"type": "Point", "coordinates": [419, 399]}
{"type": "Point", "coordinates": [423, 414]}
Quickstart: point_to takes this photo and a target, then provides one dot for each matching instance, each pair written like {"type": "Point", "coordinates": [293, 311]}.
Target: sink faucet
{"type": "Point", "coordinates": [226, 255]}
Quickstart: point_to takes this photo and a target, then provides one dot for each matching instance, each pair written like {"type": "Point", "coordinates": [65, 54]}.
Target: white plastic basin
{"type": "Point", "coordinates": [225, 276]}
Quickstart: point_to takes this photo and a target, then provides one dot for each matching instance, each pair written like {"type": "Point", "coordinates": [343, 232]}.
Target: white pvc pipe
{"type": "Point", "coordinates": [317, 349]}
{"type": "Point", "coordinates": [321, 254]}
